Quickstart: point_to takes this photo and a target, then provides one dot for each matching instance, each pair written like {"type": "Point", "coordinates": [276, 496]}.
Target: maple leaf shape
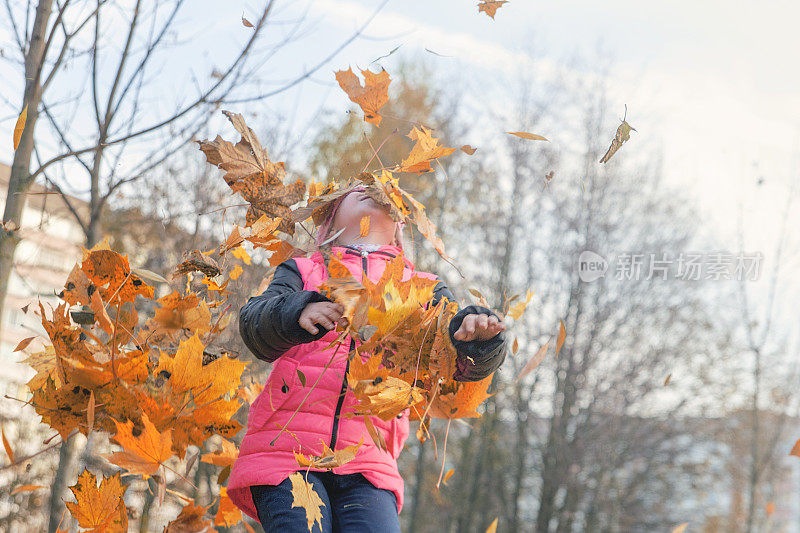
{"type": "Point", "coordinates": [490, 7]}
{"type": "Point", "coordinates": [304, 495]}
{"type": "Point", "coordinates": [385, 398]}
{"type": "Point", "coordinates": [371, 96]}
{"type": "Point", "coordinates": [99, 509]}
{"type": "Point", "coordinates": [425, 149]}
{"type": "Point", "coordinates": [110, 273]}
{"type": "Point", "coordinates": [142, 454]}
{"type": "Point", "coordinates": [329, 459]}
{"type": "Point", "coordinates": [190, 520]}
{"type": "Point", "coordinates": [250, 173]}
{"type": "Point", "coordinates": [228, 514]}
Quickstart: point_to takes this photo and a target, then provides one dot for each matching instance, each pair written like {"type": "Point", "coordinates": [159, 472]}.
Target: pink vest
{"type": "Point", "coordinates": [260, 463]}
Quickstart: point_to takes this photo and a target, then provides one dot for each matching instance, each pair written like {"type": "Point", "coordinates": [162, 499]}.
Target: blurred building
{"type": "Point", "coordinates": [50, 246]}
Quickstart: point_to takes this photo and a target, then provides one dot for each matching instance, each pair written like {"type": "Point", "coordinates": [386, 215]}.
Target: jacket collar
{"type": "Point", "coordinates": [386, 251]}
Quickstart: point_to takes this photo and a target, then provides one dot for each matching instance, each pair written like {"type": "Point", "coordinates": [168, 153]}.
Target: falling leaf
{"type": "Point", "coordinates": [426, 148]}
{"type": "Point", "coordinates": [371, 96]}
{"type": "Point", "coordinates": [19, 127]}
{"type": "Point", "coordinates": [190, 520]}
{"type": "Point", "coordinates": [447, 476]}
{"type": "Point", "coordinates": [467, 149]}
{"type": "Point", "coordinates": [518, 309]}
{"type": "Point", "coordinates": [228, 514]}
{"type": "Point", "coordinates": [515, 346]}
{"type": "Point", "coordinates": [26, 488]}
{"type": "Point", "coordinates": [195, 261]}
{"type": "Point", "coordinates": [247, 23]}
{"type": "Point", "coordinates": [492, 527]}
{"type": "Point", "coordinates": [23, 344]}
{"type": "Point", "coordinates": [770, 508]}
{"type": "Point", "coordinates": [301, 377]}
{"type": "Point", "coordinates": [490, 7]}
{"type": "Point", "coordinates": [622, 135]}
{"type": "Point", "coordinates": [249, 172]}
{"type": "Point", "coordinates": [364, 224]}
{"type": "Point", "coordinates": [534, 361]}
{"type": "Point", "coordinates": [680, 528]}
{"type": "Point", "coordinates": [393, 50]}
{"type": "Point", "coordinates": [236, 272]}
{"type": "Point", "coordinates": [329, 458]}
{"type": "Point", "coordinates": [90, 409]}
{"type": "Point", "coordinates": [796, 449]}
{"type": "Point", "coordinates": [99, 508]}
{"type": "Point", "coordinates": [149, 275]}
{"type": "Point", "coordinates": [223, 457]}
{"type": "Point", "coordinates": [526, 135]}
{"type": "Point", "coordinates": [548, 178]}
{"type": "Point", "coordinates": [141, 454]}
{"type": "Point", "coordinates": [304, 495]}
{"type": "Point", "coordinates": [666, 381]}
{"type": "Point", "coordinates": [7, 445]}
{"type": "Point", "coordinates": [562, 334]}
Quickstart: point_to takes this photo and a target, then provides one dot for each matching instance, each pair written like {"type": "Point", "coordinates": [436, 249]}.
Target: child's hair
{"type": "Point", "coordinates": [323, 233]}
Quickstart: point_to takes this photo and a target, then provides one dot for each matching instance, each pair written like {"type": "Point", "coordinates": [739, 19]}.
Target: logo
{"type": "Point", "coordinates": [591, 266]}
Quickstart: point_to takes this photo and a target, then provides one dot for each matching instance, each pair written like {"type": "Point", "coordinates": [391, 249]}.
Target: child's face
{"type": "Point", "coordinates": [357, 205]}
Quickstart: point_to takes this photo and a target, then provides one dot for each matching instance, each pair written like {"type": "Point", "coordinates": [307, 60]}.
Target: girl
{"type": "Point", "coordinates": [291, 326]}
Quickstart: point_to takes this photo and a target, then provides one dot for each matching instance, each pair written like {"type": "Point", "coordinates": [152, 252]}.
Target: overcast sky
{"type": "Point", "coordinates": [713, 84]}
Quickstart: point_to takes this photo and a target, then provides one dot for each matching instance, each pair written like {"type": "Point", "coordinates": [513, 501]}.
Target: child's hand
{"type": "Point", "coordinates": [325, 314]}
{"type": "Point", "coordinates": [479, 327]}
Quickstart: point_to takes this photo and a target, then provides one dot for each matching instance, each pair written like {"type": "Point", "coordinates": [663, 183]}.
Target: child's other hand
{"type": "Point", "coordinates": [478, 327]}
{"type": "Point", "coordinates": [325, 314]}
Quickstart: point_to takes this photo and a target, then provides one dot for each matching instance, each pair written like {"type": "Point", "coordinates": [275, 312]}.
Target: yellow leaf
{"type": "Point", "coordinates": [518, 309]}
{"type": "Point", "coordinates": [364, 226]}
{"type": "Point", "coordinates": [23, 344]}
{"type": "Point", "coordinates": [526, 135]}
{"type": "Point", "coordinates": [305, 496]}
{"type": "Point", "coordinates": [426, 148]}
{"type": "Point", "coordinates": [236, 272]}
{"type": "Point", "coordinates": [492, 527]}
{"type": "Point", "coordinates": [770, 508]}
{"type": "Point", "coordinates": [680, 528]}
{"type": "Point", "coordinates": [20, 126]}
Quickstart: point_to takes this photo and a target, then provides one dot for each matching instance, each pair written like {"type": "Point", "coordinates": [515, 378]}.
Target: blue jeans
{"type": "Point", "coordinates": [352, 504]}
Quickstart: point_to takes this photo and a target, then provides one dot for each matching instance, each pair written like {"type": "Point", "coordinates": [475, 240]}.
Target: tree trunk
{"type": "Point", "coordinates": [65, 456]}
{"type": "Point", "coordinates": [419, 477]}
{"type": "Point", "coordinates": [20, 179]}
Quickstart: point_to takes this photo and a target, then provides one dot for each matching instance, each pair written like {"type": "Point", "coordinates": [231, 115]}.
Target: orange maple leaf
{"type": "Point", "coordinates": [426, 148]}
{"type": "Point", "coordinates": [371, 96]}
{"type": "Point", "coordinates": [142, 454]}
{"type": "Point", "coordinates": [99, 509]}
{"type": "Point", "coordinates": [490, 7]}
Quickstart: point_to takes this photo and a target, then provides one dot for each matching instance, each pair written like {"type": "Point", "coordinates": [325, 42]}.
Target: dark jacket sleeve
{"type": "Point", "coordinates": [269, 323]}
{"type": "Point", "coordinates": [475, 359]}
